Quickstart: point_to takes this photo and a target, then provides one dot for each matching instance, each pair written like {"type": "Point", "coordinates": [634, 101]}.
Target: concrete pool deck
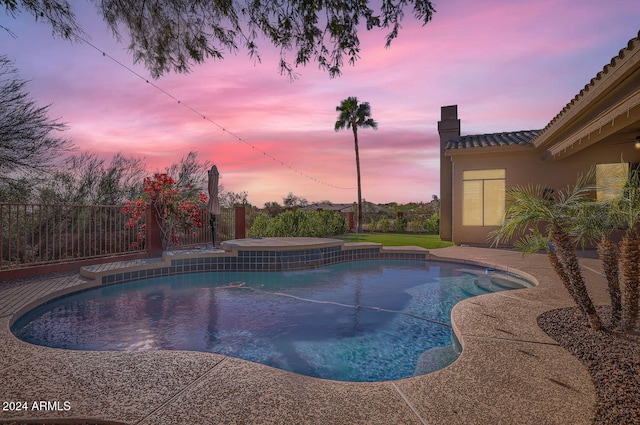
{"type": "Point", "coordinates": [510, 371]}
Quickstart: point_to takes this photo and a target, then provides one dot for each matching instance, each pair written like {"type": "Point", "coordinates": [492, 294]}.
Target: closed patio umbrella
{"type": "Point", "coordinates": [213, 206]}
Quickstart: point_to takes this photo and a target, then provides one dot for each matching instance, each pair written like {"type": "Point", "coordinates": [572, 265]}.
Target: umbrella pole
{"type": "Point", "coordinates": [212, 221]}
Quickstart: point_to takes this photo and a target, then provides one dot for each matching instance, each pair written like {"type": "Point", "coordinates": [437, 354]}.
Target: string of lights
{"type": "Point", "coordinates": [203, 116]}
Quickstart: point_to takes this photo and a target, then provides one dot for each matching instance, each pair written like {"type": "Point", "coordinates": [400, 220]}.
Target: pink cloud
{"type": "Point", "coordinates": [508, 65]}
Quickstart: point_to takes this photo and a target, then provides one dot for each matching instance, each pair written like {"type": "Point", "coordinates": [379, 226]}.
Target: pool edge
{"type": "Point", "coordinates": [453, 392]}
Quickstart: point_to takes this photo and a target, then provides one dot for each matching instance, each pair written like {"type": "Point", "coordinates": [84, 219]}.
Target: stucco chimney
{"type": "Point", "coordinates": [448, 128]}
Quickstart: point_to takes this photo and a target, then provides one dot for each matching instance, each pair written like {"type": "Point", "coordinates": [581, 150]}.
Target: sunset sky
{"type": "Point", "coordinates": [508, 65]}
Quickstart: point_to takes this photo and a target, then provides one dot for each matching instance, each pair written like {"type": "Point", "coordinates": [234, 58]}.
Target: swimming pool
{"type": "Point", "coordinates": [370, 320]}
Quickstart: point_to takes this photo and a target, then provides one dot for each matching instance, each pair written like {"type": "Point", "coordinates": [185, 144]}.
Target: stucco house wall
{"type": "Point", "coordinates": [525, 168]}
{"type": "Point", "coordinates": [600, 125]}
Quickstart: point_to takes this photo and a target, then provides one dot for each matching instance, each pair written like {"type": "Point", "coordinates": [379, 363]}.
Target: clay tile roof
{"type": "Point", "coordinates": [520, 138]}
{"type": "Point", "coordinates": [632, 44]}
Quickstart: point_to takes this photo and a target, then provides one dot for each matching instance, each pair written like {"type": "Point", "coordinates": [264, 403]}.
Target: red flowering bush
{"type": "Point", "coordinates": [177, 210]}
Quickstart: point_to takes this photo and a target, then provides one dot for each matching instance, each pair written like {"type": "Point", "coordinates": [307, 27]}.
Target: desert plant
{"type": "Point", "coordinates": [629, 254]}
{"type": "Point", "coordinates": [530, 208]}
{"type": "Point", "coordinates": [596, 222]}
{"type": "Point", "coordinates": [609, 255]}
{"type": "Point", "coordinates": [625, 212]}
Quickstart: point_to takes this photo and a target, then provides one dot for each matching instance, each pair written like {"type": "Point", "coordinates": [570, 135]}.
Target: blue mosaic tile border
{"type": "Point", "coordinates": [265, 261]}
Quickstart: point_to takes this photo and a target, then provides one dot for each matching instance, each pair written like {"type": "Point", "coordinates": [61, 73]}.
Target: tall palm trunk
{"type": "Point", "coordinates": [630, 253]}
{"type": "Point", "coordinates": [609, 255]}
{"type": "Point", "coordinates": [355, 138]}
{"type": "Point", "coordinates": [354, 115]}
{"type": "Point", "coordinates": [571, 267]}
{"type": "Point", "coordinates": [560, 271]}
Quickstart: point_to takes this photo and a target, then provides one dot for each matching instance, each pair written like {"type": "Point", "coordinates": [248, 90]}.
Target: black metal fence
{"type": "Point", "coordinates": [40, 234]}
{"type": "Point", "coordinates": [35, 234]}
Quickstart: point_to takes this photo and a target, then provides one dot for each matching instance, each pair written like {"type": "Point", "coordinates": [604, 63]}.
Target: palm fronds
{"type": "Point", "coordinates": [533, 242]}
{"type": "Point", "coordinates": [525, 209]}
{"type": "Point", "coordinates": [560, 221]}
{"type": "Point", "coordinates": [547, 221]}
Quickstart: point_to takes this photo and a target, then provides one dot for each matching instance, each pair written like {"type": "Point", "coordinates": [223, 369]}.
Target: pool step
{"type": "Point", "coordinates": [506, 283]}
{"type": "Point", "coordinates": [435, 359]}
{"type": "Point", "coordinates": [485, 286]}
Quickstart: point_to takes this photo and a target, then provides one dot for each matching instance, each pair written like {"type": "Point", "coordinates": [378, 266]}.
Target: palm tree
{"type": "Point", "coordinates": [625, 211]}
{"type": "Point", "coordinates": [610, 254]}
{"type": "Point", "coordinates": [594, 223]}
{"type": "Point", "coordinates": [354, 115]}
{"type": "Point", "coordinates": [530, 209]}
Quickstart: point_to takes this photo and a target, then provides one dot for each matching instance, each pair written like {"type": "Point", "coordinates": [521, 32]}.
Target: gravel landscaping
{"type": "Point", "coordinates": [62, 422]}
{"type": "Point", "coordinates": [612, 357]}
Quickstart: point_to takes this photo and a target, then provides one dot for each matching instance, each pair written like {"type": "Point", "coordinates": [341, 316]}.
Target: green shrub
{"type": "Point", "coordinates": [384, 224]}
{"type": "Point", "coordinates": [259, 227]}
{"type": "Point", "coordinates": [400, 224]}
{"type": "Point", "coordinates": [319, 224]}
{"type": "Point", "coordinates": [373, 226]}
{"type": "Point", "coordinates": [431, 225]}
{"type": "Point", "coordinates": [415, 226]}
{"type": "Point", "coordinates": [285, 224]}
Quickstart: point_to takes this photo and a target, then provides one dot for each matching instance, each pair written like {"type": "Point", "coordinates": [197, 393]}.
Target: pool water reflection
{"type": "Point", "coordinates": [360, 321]}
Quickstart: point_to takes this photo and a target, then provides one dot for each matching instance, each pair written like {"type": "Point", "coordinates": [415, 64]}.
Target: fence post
{"type": "Point", "coordinates": [240, 231]}
{"type": "Point", "coordinates": [351, 221]}
{"type": "Point", "coordinates": [153, 232]}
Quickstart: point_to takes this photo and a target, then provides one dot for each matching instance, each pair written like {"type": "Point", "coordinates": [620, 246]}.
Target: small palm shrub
{"type": "Point", "coordinates": [551, 224]}
{"type": "Point", "coordinates": [572, 218]}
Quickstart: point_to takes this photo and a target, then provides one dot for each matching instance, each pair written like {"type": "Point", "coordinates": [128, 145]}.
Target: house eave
{"type": "Point", "coordinates": [582, 120]}
{"type": "Point", "coordinates": [609, 122]}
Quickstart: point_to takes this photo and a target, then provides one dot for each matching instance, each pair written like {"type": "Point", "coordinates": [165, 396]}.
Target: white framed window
{"type": "Point", "coordinates": [483, 197]}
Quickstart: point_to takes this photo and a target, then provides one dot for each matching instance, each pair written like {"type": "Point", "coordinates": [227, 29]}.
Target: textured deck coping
{"type": "Point", "coordinates": [405, 249]}
{"type": "Point", "coordinates": [116, 265]}
{"type": "Point", "coordinates": [278, 244]}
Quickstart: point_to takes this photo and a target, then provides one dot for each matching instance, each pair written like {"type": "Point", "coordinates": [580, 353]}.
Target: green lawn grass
{"type": "Point", "coordinates": [397, 239]}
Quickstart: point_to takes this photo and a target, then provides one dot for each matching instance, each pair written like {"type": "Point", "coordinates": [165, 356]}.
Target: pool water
{"type": "Point", "coordinates": [359, 321]}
